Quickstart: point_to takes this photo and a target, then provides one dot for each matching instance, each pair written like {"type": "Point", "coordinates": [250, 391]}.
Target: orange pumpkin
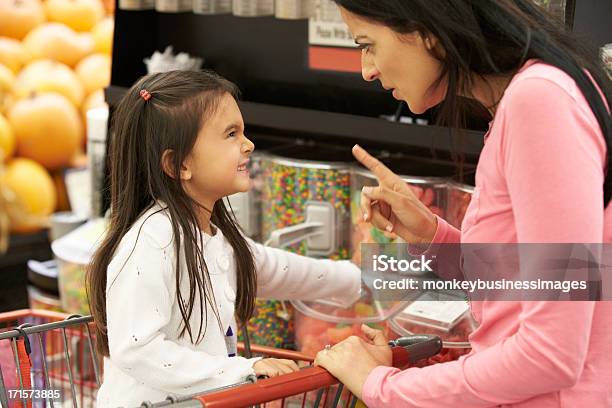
{"type": "Point", "coordinates": [13, 54]}
{"type": "Point", "coordinates": [48, 129]}
{"type": "Point", "coordinates": [94, 72]}
{"type": "Point", "coordinates": [94, 100]}
{"type": "Point", "coordinates": [31, 194]}
{"type": "Point", "coordinates": [80, 15]}
{"type": "Point", "coordinates": [19, 17]}
{"type": "Point", "coordinates": [6, 87]}
{"type": "Point", "coordinates": [7, 139]}
{"type": "Point", "coordinates": [49, 76]}
{"type": "Point", "coordinates": [58, 42]}
{"type": "Point", "coordinates": [103, 35]}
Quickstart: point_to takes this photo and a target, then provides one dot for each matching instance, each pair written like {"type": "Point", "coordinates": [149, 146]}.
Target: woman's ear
{"type": "Point", "coordinates": [167, 162]}
{"type": "Point", "coordinates": [430, 42]}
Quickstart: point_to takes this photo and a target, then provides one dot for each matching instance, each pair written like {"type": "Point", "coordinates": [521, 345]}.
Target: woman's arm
{"type": "Point", "coordinates": [140, 298]}
{"type": "Point", "coordinates": [287, 276]}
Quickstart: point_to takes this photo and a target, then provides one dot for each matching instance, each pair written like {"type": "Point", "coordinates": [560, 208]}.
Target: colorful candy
{"type": "Point", "coordinates": [313, 333]}
{"type": "Point", "coordinates": [287, 186]}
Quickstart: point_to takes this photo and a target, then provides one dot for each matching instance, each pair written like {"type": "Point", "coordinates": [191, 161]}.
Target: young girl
{"type": "Point", "coordinates": [174, 268]}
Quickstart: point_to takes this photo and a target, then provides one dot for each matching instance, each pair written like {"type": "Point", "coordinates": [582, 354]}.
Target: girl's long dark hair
{"type": "Point", "coordinates": [486, 37]}
{"type": "Point", "coordinates": [140, 132]}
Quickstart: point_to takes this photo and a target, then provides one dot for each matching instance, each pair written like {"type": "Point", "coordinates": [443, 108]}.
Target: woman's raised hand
{"type": "Point", "coordinates": [392, 206]}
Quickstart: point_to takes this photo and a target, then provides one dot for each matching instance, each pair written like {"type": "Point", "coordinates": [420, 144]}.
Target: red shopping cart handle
{"type": "Point", "coordinates": [270, 389]}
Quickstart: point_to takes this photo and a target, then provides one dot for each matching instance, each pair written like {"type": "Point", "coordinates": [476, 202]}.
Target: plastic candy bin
{"type": "Point", "coordinates": [73, 252]}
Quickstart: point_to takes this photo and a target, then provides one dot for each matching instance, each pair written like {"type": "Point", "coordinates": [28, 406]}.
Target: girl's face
{"type": "Point", "coordinates": [401, 62]}
{"type": "Point", "coordinates": [217, 165]}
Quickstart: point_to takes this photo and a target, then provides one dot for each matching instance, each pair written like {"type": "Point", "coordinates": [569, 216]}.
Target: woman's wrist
{"type": "Point", "coordinates": [430, 231]}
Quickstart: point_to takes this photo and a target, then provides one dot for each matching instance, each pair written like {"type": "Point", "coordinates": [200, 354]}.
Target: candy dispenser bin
{"type": "Point", "coordinates": [291, 183]}
{"type": "Point", "coordinates": [41, 300]}
{"type": "Point", "coordinates": [73, 252]}
{"type": "Point", "coordinates": [444, 315]}
{"type": "Point", "coordinates": [323, 322]}
{"type": "Point", "coordinates": [294, 184]}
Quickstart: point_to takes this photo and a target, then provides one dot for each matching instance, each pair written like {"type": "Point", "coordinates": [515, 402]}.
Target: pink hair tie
{"type": "Point", "coordinates": [146, 95]}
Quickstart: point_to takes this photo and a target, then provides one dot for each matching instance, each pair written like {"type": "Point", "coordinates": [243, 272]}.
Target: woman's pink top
{"type": "Point", "coordinates": [539, 180]}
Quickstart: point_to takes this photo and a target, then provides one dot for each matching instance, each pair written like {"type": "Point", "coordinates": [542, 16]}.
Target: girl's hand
{"type": "Point", "coordinates": [352, 360]}
{"type": "Point", "coordinates": [272, 367]}
{"type": "Point", "coordinates": [393, 206]}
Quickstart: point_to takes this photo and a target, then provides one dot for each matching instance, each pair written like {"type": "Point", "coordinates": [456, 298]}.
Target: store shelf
{"type": "Point", "coordinates": [339, 128]}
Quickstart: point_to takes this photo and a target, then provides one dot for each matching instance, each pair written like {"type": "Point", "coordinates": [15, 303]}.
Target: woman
{"type": "Point", "coordinates": [542, 177]}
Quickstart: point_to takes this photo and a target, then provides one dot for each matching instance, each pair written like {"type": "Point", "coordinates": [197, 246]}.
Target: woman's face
{"type": "Point", "coordinates": [401, 62]}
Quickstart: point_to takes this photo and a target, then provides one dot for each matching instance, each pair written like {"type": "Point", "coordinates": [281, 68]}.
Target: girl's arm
{"type": "Point", "coordinates": [287, 276]}
{"type": "Point", "coordinates": [140, 299]}
{"type": "Point", "coordinates": [553, 163]}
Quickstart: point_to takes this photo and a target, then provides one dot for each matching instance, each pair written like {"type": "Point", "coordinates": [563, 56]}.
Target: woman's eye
{"type": "Point", "coordinates": [365, 47]}
{"type": "Point", "coordinates": [232, 134]}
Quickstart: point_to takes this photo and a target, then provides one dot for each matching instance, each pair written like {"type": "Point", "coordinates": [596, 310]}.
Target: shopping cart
{"type": "Point", "coordinates": [43, 351]}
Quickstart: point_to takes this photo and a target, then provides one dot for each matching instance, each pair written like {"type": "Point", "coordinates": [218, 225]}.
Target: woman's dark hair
{"type": "Point", "coordinates": [486, 37]}
{"type": "Point", "coordinates": [141, 131]}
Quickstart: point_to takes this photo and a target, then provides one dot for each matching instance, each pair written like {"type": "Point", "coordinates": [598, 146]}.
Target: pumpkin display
{"type": "Point", "coordinates": [19, 17]}
{"type": "Point", "coordinates": [54, 64]}
{"type": "Point", "coordinates": [47, 128]}
{"type": "Point", "coordinates": [58, 42]}
{"type": "Point", "coordinates": [80, 15]}
{"type": "Point", "coordinates": [30, 193]}
{"type": "Point", "coordinates": [94, 72]}
{"type": "Point", "coordinates": [49, 76]}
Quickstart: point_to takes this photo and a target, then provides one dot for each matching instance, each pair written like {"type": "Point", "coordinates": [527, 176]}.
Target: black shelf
{"type": "Point", "coordinates": [268, 59]}
{"type": "Point", "coordinates": [344, 129]}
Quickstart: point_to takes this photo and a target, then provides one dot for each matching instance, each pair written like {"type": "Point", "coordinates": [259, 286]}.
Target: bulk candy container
{"type": "Point", "coordinates": [291, 183]}
{"type": "Point", "coordinates": [318, 323]}
{"type": "Point", "coordinates": [73, 252]}
{"type": "Point", "coordinates": [448, 316]}
{"type": "Point", "coordinates": [294, 183]}
{"type": "Point", "coordinates": [41, 300]}
{"type": "Point", "coordinates": [43, 289]}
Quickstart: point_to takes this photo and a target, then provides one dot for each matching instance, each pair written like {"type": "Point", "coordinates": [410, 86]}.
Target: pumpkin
{"type": "Point", "coordinates": [58, 42]}
{"type": "Point", "coordinates": [47, 128]}
{"type": "Point", "coordinates": [6, 87]}
{"type": "Point", "coordinates": [103, 35]}
{"type": "Point", "coordinates": [13, 54]}
{"type": "Point", "coordinates": [49, 76]}
{"type": "Point", "coordinates": [30, 194]}
{"type": "Point", "coordinates": [94, 72]}
{"type": "Point", "coordinates": [19, 17]}
{"type": "Point", "coordinates": [7, 139]}
{"type": "Point", "coordinates": [80, 15]}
